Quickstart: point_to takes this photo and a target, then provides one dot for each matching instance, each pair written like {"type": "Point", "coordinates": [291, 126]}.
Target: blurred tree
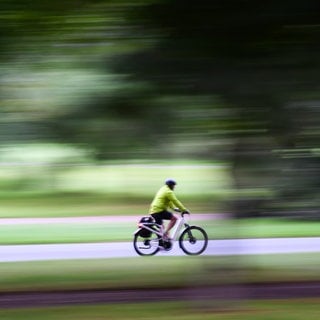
{"type": "Point", "coordinates": [45, 42]}
{"type": "Point", "coordinates": [263, 59]}
{"type": "Point", "coordinates": [242, 73]}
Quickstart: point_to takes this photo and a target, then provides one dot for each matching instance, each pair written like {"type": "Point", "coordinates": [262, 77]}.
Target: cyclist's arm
{"type": "Point", "coordinates": [175, 203]}
{"type": "Point", "coordinates": [173, 207]}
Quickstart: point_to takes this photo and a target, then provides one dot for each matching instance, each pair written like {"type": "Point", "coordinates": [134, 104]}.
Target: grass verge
{"type": "Point", "coordinates": [105, 232]}
{"type": "Point", "coordinates": [296, 309]}
{"type": "Point", "coordinates": [156, 272]}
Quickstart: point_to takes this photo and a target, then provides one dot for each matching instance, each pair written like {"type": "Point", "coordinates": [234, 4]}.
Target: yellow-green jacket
{"type": "Point", "coordinates": [164, 199]}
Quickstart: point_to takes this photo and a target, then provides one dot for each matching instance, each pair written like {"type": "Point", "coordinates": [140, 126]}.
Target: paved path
{"type": "Point", "coordinates": [125, 249]}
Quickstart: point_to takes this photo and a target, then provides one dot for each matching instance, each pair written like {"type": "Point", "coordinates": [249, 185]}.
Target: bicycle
{"type": "Point", "coordinates": [149, 237]}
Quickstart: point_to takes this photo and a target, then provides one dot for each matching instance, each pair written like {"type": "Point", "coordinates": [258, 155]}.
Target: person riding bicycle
{"type": "Point", "coordinates": [163, 200]}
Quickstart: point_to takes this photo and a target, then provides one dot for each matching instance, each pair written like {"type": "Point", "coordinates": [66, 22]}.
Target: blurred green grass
{"type": "Point", "coordinates": [295, 309]}
{"type": "Point", "coordinates": [109, 189]}
{"type": "Point", "coordinates": [88, 204]}
{"type": "Point", "coordinates": [124, 178]}
{"type": "Point", "coordinates": [156, 272]}
{"type": "Point", "coordinates": [123, 231]}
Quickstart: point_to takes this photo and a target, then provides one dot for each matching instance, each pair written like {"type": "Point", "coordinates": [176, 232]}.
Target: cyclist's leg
{"type": "Point", "coordinates": [172, 221]}
{"type": "Point", "coordinates": [158, 218]}
{"type": "Point", "coordinates": [165, 215]}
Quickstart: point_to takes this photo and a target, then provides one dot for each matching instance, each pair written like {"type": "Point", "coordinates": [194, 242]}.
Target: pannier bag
{"type": "Point", "coordinates": [144, 233]}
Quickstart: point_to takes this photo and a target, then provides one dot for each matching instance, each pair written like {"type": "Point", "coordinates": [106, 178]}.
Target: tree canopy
{"type": "Point", "coordinates": [226, 79]}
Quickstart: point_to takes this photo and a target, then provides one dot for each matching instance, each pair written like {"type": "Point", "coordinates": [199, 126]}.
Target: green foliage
{"type": "Point", "coordinates": [233, 80]}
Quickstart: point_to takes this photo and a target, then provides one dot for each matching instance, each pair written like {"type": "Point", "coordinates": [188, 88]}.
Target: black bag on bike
{"type": "Point", "coordinates": [144, 233]}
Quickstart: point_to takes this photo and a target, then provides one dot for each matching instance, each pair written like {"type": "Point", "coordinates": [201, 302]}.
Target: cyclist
{"type": "Point", "coordinates": [163, 200]}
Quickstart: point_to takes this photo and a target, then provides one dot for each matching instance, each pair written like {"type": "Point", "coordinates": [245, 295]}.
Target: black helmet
{"type": "Point", "coordinates": [170, 182]}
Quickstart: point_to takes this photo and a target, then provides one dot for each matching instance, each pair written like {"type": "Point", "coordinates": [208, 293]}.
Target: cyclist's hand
{"type": "Point", "coordinates": [176, 210]}
{"type": "Point", "coordinates": [185, 212]}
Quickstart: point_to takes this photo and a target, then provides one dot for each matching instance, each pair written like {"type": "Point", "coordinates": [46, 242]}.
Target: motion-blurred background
{"type": "Point", "coordinates": [102, 100]}
{"type": "Point", "coordinates": [234, 82]}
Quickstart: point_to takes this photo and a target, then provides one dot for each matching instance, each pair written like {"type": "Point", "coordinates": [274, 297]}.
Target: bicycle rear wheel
{"type": "Point", "coordinates": [146, 246]}
{"type": "Point", "coordinates": [193, 240]}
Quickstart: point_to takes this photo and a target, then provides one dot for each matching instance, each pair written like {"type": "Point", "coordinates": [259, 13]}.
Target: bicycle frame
{"type": "Point", "coordinates": [176, 231]}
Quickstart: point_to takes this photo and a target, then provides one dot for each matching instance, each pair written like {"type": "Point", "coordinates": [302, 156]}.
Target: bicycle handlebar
{"type": "Point", "coordinates": [182, 212]}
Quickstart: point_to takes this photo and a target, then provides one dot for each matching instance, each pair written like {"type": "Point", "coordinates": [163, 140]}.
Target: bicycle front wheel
{"type": "Point", "coordinates": [193, 240]}
{"type": "Point", "coordinates": [146, 246]}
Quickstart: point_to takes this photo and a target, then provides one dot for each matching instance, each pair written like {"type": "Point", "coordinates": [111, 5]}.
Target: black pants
{"type": "Point", "coordinates": [162, 215]}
